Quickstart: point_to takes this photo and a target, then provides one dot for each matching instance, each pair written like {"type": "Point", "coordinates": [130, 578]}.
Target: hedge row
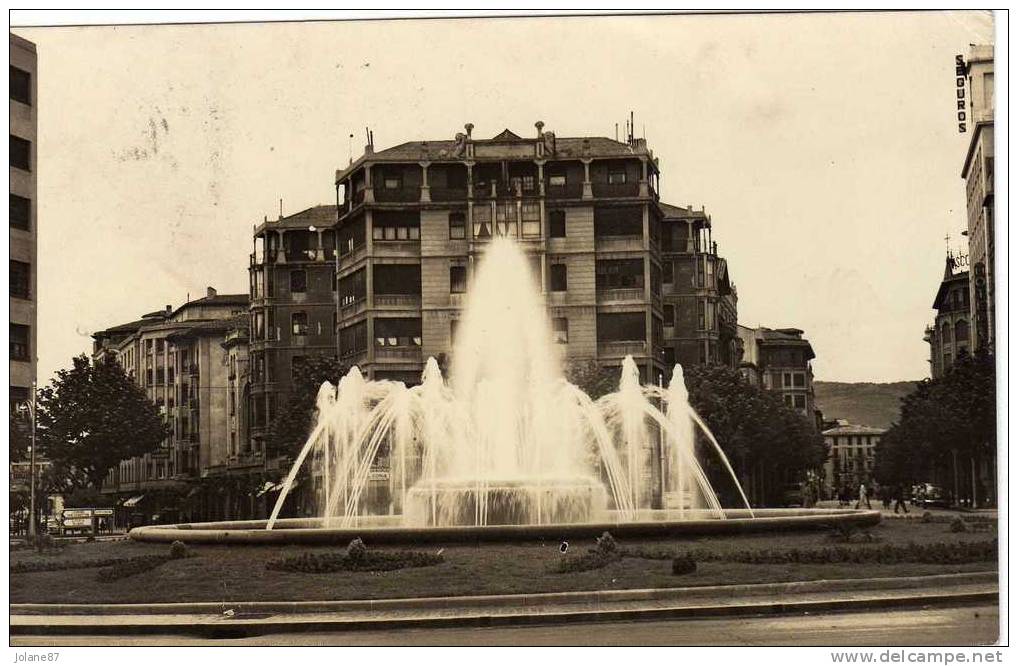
{"type": "Point", "coordinates": [131, 566]}
{"type": "Point", "coordinates": [341, 561]}
{"type": "Point", "coordinates": [932, 553]}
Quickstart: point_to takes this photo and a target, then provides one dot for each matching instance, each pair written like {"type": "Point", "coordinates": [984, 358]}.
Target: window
{"type": "Point", "coordinates": [296, 367]}
{"type": "Point", "coordinates": [623, 221]}
{"type": "Point", "coordinates": [457, 226]}
{"type": "Point", "coordinates": [299, 323]}
{"type": "Point", "coordinates": [397, 279]}
{"type": "Point", "coordinates": [558, 277]}
{"type": "Point", "coordinates": [298, 281]}
{"type": "Point", "coordinates": [668, 272]}
{"type": "Point", "coordinates": [397, 332]}
{"type": "Point", "coordinates": [160, 346]}
{"type": "Point", "coordinates": [353, 339]}
{"type": "Point", "coordinates": [560, 326]}
{"type": "Point", "coordinates": [617, 177]}
{"type": "Point", "coordinates": [531, 226]}
{"type": "Point", "coordinates": [961, 330]}
{"type": "Point", "coordinates": [21, 153]}
{"type": "Point", "coordinates": [20, 341]}
{"type": "Point", "coordinates": [556, 224]}
{"type": "Point", "coordinates": [396, 225]}
{"type": "Point", "coordinates": [457, 279]}
{"type": "Point", "coordinates": [453, 326]}
{"type": "Point", "coordinates": [669, 315]}
{"type": "Point", "coordinates": [482, 221]}
{"type": "Point", "coordinates": [392, 182]}
{"type": "Point", "coordinates": [353, 288]}
{"type": "Point", "coordinates": [799, 402]}
{"type": "Point", "coordinates": [21, 213]}
{"type": "Point", "coordinates": [21, 86]}
{"type": "Point", "coordinates": [799, 380]}
{"type": "Point", "coordinates": [621, 327]}
{"type": "Point", "coordinates": [619, 274]}
{"type": "Point", "coordinates": [21, 279]}
{"type": "Point", "coordinates": [557, 180]}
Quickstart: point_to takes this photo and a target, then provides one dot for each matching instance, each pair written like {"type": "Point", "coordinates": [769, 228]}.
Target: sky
{"type": "Point", "coordinates": [824, 146]}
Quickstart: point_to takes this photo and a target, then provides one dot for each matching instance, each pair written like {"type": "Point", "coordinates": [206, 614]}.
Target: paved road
{"type": "Point", "coordinates": [966, 625]}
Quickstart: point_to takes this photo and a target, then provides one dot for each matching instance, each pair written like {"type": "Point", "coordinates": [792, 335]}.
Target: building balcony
{"type": "Point", "coordinates": [567, 191]}
{"type": "Point", "coordinates": [401, 354]}
{"type": "Point", "coordinates": [397, 248]}
{"type": "Point", "coordinates": [619, 243]}
{"type": "Point", "coordinates": [353, 309]}
{"type": "Point", "coordinates": [398, 301]}
{"type": "Point", "coordinates": [612, 190]}
{"type": "Point", "coordinates": [621, 295]}
{"type": "Point", "coordinates": [622, 348]}
{"type": "Point", "coordinates": [397, 195]}
{"type": "Point", "coordinates": [448, 194]}
{"type": "Point", "coordinates": [354, 357]}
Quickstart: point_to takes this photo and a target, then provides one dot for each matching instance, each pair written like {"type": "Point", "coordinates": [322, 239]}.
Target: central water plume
{"type": "Point", "coordinates": [508, 440]}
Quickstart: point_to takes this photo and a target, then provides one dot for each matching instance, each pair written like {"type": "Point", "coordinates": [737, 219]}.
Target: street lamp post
{"type": "Point", "coordinates": [30, 408]}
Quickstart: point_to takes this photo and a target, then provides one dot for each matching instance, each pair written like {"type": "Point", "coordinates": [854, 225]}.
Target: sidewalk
{"type": "Point", "coordinates": [715, 601]}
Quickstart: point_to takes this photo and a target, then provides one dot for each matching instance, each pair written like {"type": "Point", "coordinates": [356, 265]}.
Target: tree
{"type": "Point", "coordinates": [20, 435]}
{"type": "Point", "coordinates": [291, 426]}
{"type": "Point", "coordinates": [593, 378]}
{"type": "Point", "coordinates": [944, 423]}
{"type": "Point", "coordinates": [90, 418]}
{"type": "Point", "coordinates": [766, 441]}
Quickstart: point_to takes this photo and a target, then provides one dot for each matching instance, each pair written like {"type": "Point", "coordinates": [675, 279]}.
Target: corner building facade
{"type": "Point", "coordinates": [415, 219]}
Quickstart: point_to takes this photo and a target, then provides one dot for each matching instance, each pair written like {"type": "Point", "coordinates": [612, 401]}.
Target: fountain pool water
{"type": "Point", "coordinates": [506, 446]}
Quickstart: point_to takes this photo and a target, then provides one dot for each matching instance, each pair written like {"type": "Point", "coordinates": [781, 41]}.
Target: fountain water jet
{"type": "Point", "coordinates": [508, 441]}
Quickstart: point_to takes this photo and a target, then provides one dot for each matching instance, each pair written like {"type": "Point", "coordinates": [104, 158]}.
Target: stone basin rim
{"type": "Point", "coordinates": [306, 531]}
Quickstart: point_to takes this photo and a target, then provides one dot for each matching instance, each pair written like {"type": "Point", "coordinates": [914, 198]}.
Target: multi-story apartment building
{"type": "Point", "coordinates": [293, 306]}
{"type": "Point", "coordinates": [24, 170]}
{"type": "Point", "coordinates": [700, 302]}
{"type": "Point", "coordinates": [851, 453]}
{"type": "Point", "coordinates": [779, 360]}
{"type": "Point", "coordinates": [978, 175]}
{"type": "Point", "coordinates": [415, 219]}
{"type": "Point", "coordinates": [181, 359]}
{"type": "Point", "coordinates": [950, 334]}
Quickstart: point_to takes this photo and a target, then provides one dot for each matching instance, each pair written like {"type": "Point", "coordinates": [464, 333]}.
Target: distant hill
{"type": "Point", "coordinates": [861, 403]}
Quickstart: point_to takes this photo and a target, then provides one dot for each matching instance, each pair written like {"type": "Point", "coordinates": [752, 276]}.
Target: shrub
{"type": "Point", "coordinates": [606, 544]}
{"type": "Point", "coordinates": [179, 550]}
{"type": "Point", "coordinates": [592, 559]}
{"type": "Point", "coordinates": [356, 551]}
{"type": "Point", "coordinates": [60, 565]}
{"type": "Point", "coordinates": [44, 543]}
{"type": "Point", "coordinates": [361, 560]}
{"type": "Point", "coordinates": [131, 566]}
{"type": "Point", "coordinates": [927, 517]}
{"type": "Point", "coordinates": [958, 525]}
{"type": "Point", "coordinates": [683, 564]}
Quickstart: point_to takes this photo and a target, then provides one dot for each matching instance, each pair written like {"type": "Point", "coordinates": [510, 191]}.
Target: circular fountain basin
{"type": "Point", "coordinates": [390, 530]}
{"type": "Point", "coordinates": [449, 502]}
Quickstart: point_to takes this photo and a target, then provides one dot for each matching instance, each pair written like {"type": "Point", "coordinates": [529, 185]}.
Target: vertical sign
{"type": "Point", "coordinates": [959, 84]}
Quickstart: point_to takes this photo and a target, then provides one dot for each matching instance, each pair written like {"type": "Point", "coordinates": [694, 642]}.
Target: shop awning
{"type": "Point", "coordinates": [133, 501]}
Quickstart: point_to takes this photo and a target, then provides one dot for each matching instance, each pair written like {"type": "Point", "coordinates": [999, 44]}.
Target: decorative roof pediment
{"type": "Point", "coordinates": [506, 135]}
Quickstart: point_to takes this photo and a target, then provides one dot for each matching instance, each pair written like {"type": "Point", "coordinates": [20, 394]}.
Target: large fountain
{"type": "Point", "coordinates": [506, 448]}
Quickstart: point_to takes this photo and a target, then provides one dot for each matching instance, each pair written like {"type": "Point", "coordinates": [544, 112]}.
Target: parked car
{"type": "Point", "coordinates": [928, 495]}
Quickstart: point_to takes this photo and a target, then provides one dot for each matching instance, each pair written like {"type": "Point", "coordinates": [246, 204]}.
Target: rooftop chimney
{"type": "Point", "coordinates": [469, 127]}
{"type": "Point", "coordinates": [169, 309]}
{"type": "Point", "coordinates": [540, 128]}
{"type": "Point", "coordinates": [210, 292]}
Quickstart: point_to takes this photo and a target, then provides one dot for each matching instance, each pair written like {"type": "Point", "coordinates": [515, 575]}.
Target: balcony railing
{"type": "Point", "coordinates": [448, 193]}
{"type": "Point", "coordinates": [618, 295]}
{"type": "Point", "coordinates": [412, 354]}
{"type": "Point", "coordinates": [397, 300]}
{"type": "Point", "coordinates": [622, 348]}
{"type": "Point", "coordinates": [616, 189]}
{"type": "Point", "coordinates": [401, 194]}
{"type": "Point", "coordinates": [567, 191]}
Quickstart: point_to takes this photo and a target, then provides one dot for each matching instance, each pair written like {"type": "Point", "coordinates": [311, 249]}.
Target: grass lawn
{"type": "Point", "coordinates": [238, 573]}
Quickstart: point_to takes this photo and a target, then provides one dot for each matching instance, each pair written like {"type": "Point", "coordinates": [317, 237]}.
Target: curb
{"type": "Point", "coordinates": [241, 628]}
{"type": "Point", "coordinates": [515, 600]}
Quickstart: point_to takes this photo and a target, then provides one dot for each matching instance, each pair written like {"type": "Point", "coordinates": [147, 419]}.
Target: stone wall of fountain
{"type": "Point", "coordinates": [507, 441]}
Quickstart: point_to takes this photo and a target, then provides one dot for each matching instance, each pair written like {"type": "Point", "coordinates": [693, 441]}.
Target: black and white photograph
{"type": "Point", "coordinates": [451, 329]}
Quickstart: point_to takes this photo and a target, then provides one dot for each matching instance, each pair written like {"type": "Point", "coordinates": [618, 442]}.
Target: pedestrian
{"type": "Point", "coordinates": [885, 496]}
{"type": "Point", "coordinates": [899, 498]}
{"type": "Point", "coordinates": [863, 497]}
